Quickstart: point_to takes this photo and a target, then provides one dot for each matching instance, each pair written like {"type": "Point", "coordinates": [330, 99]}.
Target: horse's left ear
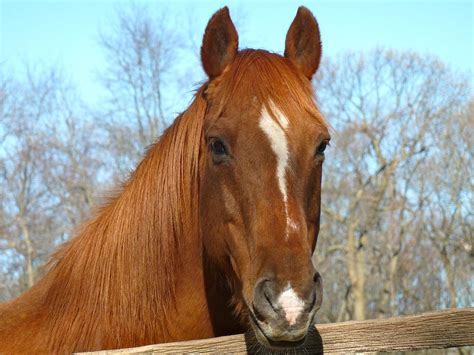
{"type": "Point", "coordinates": [303, 42]}
{"type": "Point", "coordinates": [220, 43]}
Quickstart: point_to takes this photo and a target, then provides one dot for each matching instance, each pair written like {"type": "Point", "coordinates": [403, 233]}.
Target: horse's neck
{"type": "Point", "coordinates": [110, 278]}
{"type": "Point", "coordinates": [224, 308]}
{"type": "Point", "coordinates": [125, 266]}
{"type": "Point", "coordinates": [118, 274]}
{"type": "Point", "coordinates": [137, 268]}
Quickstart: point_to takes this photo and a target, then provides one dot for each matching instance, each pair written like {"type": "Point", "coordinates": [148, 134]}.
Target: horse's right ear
{"type": "Point", "coordinates": [220, 43]}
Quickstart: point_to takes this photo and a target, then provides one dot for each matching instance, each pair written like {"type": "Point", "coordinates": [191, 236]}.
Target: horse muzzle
{"type": "Point", "coordinates": [282, 319]}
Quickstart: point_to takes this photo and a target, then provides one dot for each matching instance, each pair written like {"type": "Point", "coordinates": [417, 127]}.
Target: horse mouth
{"type": "Point", "coordinates": [269, 343]}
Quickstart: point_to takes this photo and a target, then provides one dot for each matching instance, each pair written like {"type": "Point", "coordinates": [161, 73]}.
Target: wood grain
{"type": "Point", "coordinates": [434, 330]}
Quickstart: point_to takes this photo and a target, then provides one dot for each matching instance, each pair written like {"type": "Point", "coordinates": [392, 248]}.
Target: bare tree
{"type": "Point", "coordinates": [449, 204]}
{"type": "Point", "coordinates": [383, 107]}
{"type": "Point", "coordinates": [44, 158]}
{"type": "Point", "coordinates": [22, 165]}
{"type": "Point", "coordinates": [141, 78]}
{"type": "Point", "coordinates": [56, 155]}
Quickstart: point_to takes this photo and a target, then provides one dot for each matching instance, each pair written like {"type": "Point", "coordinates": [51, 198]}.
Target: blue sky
{"type": "Point", "coordinates": [65, 33]}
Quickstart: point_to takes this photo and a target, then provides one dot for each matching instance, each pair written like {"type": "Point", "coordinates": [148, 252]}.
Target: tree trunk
{"type": "Point", "coordinates": [356, 266]}
{"type": "Point", "coordinates": [30, 272]}
{"type": "Point", "coordinates": [449, 276]}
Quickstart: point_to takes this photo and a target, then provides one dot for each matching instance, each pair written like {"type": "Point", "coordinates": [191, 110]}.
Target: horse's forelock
{"type": "Point", "coordinates": [267, 78]}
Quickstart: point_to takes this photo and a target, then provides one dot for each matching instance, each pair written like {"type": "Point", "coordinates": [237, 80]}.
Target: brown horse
{"type": "Point", "coordinates": [214, 231]}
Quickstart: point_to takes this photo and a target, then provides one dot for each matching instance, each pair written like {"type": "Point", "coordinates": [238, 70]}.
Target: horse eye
{"type": "Point", "coordinates": [217, 147]}
{"type": "Point", "coordinates": [322, 148]}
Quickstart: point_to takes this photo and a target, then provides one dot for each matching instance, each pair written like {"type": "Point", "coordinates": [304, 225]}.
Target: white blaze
{"type": "Point", "coordinates": [291, 304]}
{"type": "Point", "coordinates": [275, 131]}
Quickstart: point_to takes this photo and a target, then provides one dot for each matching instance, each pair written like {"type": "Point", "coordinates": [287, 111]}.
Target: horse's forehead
{"type": "Point", "coordinates": [247, 123]}
{"type": "Point", "coordinates": [277, 115]}
{"type": "Point", "coordinates": [243, 120]}
{"type": "Point", "coordinates": [249, 113]}
{"type": "Point", "coordinates": [274, 121]}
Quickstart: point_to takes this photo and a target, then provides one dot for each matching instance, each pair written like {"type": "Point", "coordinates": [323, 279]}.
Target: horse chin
{"type": "Point", "coordinates": [270, 344]}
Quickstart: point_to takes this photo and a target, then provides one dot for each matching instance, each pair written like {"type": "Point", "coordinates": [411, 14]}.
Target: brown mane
{"type": "Point", "coordinates": [128, 253]}
{"type": "Point", "coordinates": [268, 76]}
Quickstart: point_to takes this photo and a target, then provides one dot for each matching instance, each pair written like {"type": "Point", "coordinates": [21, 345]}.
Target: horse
{"type": "Point", "coordinates": [213, 233]}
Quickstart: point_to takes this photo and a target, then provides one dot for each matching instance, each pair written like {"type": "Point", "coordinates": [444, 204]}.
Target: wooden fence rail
{"type": "Point", "coordinates": [434, 330]}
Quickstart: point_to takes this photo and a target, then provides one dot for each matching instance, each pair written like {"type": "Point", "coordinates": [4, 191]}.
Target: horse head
{"type": "Point", "coordinates": [260, 178]}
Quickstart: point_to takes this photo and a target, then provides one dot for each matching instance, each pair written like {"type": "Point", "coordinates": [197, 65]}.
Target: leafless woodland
{"type": "Point", "coordinates": [397, 217]}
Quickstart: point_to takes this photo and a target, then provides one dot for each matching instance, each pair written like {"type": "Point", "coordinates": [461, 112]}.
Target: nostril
{"type": "Point", "coordinates": [267, 298]}
{"type": "Point", "coordinates": [263, 301]}
{"type": "Point", "coordinates": [318, 291]}
{"type": "Point", "coordinates": [317, 277]}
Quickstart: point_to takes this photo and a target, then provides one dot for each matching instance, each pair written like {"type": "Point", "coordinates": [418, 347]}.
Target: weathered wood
{"type": "Point", "coordinates": [434, 330]}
